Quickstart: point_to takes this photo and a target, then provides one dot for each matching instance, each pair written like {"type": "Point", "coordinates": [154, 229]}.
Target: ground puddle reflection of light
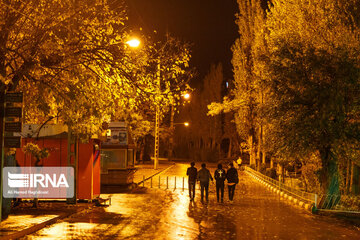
{"type": "Point", "coordinates": [65, 230]}
{"type": "Point", "coordinates": [180, 225]}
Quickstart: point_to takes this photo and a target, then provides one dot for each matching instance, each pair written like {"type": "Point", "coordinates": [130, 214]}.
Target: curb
{"type": "Point", "coordinates": [40, 226]}
{"type": "Point", "coordinates": [348, 216]}
{"type": "Point", "coordinates": [155, 174]}
{"type": "Point", "coordinates": [292, 199]}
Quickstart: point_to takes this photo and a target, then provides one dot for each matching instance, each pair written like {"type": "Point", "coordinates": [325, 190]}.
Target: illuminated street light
{"type": "Point", "coordinates": [186, 96]}
{"type": "Point", "coordinates": [186, 124]}
{"type": "Point", "coordinates": [134, 43]}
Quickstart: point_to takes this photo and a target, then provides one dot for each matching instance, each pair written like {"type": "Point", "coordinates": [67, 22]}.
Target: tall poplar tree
{"type": "Point", "coordinates": [245, 99]}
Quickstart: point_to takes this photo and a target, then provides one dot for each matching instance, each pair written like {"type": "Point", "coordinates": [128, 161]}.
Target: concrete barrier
{"type": "Point", "coordinates": [291, 199]}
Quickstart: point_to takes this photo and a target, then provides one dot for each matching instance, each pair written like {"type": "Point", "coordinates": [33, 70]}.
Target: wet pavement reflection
{"type": "Point", "coordinates": [153, 213]}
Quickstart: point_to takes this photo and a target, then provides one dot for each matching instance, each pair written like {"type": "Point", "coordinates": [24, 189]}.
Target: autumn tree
{"type": "Point", "coordinates": [245, 99]}
{"type": "Point", "coordinates": [312, 69]}
{"type": "Point", "coordinates": [61, 54]}
{"type": "Point", "coordinates": [71, 61]}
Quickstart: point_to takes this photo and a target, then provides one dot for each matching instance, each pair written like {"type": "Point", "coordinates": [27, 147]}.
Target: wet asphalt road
{"type": "Point", "coordinates": [153, 213]}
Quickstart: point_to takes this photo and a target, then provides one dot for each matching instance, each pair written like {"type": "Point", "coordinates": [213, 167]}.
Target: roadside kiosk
{"type": "Point", "coordinates": [54, 137]}
{"type": "Point", "coordinates": [117, 158]}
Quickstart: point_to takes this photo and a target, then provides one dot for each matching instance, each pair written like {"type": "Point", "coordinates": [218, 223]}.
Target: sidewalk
{"type": "Point", "coordinates": [146, 171]}
{"type": "Point", "coordinates": [24, 219]}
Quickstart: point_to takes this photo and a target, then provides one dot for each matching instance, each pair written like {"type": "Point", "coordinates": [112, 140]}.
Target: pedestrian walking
{"type": "Point", "coordinates": [232, 179]}
{"type": "Point", "coordinates": [192, 175]}
{"type": "Point", "coordinates": [220, 176]}
{"type": "Point", "coordinates": [204, 176]}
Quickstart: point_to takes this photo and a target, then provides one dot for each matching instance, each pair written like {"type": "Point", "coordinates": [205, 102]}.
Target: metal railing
{"type": "Point", "coordinates": [307, 197]}
{"type": "Point", "coordinates": [166, 182]}
{"type": "Point", "coordinates": [329, 201]}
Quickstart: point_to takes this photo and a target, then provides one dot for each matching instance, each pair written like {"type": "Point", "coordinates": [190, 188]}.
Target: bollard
{"type": "Point", "coordinates": [143, 181]}
{"type": "Point", "coordinates": [279, 185]}
{"type": "Point", "coordinates": [316, 197]}
{"type": "Point", "coordinates": [183, 184]}
{"type": "Point", "coordinates": [151, 182]}
{"type": "Point", "coordinates": [159, 181]}
{"type": "Point", "coordinates": [175, 183]}
{"type": "Point", "coordinates": [167, 182]}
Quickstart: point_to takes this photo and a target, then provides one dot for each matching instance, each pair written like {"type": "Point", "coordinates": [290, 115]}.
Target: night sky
{"type": "Point", "coordinates": [208, 25]}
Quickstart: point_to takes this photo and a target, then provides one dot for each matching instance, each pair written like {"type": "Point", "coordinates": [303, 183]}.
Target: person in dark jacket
{"type": "Point", "coordinates": [204, 176]}
{"type": "Point", "coordinates": [220, 176]}
{"type": "Point", "coordinates": [232, 179]}
{"type": "Point", "coordinates": [192, 173]}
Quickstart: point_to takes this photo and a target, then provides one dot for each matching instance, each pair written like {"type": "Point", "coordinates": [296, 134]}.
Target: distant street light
{"type": "Point", "coordinates": [186, 95]}
{"type": "Point", "coordinates": [186, 124]}
{"type": "Point", "coordinates": [171, 141]}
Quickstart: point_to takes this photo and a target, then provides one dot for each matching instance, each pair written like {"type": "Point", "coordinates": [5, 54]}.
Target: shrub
{"type": "Point", "coordinates": [350, 203]}
{"type": "Point", "coordinates": [271, 172]}
{"type": "Point", "coordinates": [263, 168]}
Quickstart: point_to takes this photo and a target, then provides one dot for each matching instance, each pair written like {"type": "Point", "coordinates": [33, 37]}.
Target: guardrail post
{"type": "Point", "coordinates": [175, 183]}
{"type": "Point", "coordinates": [143, 181]}
{"type": "Point", "coordinates": [167, 182]}
{"type": "Point", "coordinates": [151, 182]}
{"type": "Point", "coordinates": [159, 181]}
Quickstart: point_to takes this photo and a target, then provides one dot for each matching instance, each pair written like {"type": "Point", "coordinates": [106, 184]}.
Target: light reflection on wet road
{"type": "Point", "coordinates": [255, 214]}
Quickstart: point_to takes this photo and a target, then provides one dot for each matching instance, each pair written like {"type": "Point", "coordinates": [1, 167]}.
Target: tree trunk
{"type": "Point", "coordinates": [230, 148]}
{"type": "Point", "coordinates": [262, 144]}
{"type": "Point", "coordinates": [351, 177]}
{"type": "Point", "coordinates": [259, 144]}
{"type": "Point", "coordinates": [328, 175]}
{"type": "Point", "coordinates": [172, 129]}
{"type": "Point", "coordinates": [252, 151]}
{"type": "Point", "coordinates": [348, 173]}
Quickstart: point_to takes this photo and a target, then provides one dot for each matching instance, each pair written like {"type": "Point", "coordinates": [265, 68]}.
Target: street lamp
{"type": "Point", "coordinates": [157, 119]}
{"type": "Point", "coordinates": [186, 124]}
{"type": "Point", "coordinates": [134, 43]}
{"type": "Point", "coordinates": [186, 96]}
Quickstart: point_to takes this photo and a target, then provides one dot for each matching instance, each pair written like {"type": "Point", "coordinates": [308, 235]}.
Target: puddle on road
{"type": "Point", "coordinates": [193, 220]}
{"type": "Point", "coordinates": [255, 214]}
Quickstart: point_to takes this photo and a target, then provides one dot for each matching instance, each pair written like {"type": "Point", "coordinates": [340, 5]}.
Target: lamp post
{"type": "Point", "coordinates": [134, 43]}
{"type": "Point", "coordinates": [186, 96]}
{"type": "Point", "coordinates": [157, 120]}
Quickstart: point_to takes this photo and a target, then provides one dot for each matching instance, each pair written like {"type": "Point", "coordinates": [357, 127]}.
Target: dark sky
{"type": "Point", "coordinates": [208, 24]}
